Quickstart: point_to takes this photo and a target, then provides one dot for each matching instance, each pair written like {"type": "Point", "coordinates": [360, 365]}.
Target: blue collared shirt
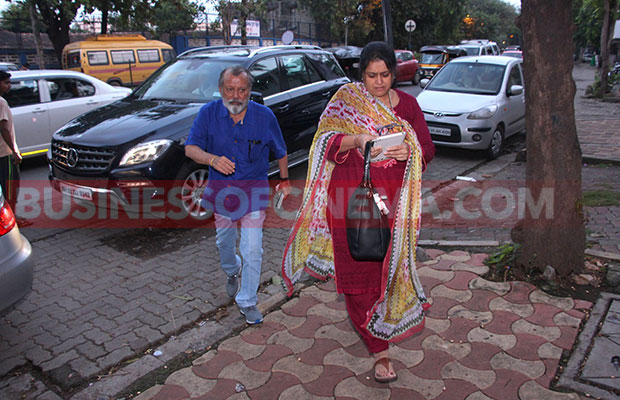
{"type": "Point", "coordinates": [247, 144]}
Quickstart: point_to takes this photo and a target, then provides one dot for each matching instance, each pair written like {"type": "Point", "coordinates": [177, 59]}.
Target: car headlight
{"type": "Point", "coordinates": [483, 113]}
{"type": "Point", "coordinates": [145, 152]}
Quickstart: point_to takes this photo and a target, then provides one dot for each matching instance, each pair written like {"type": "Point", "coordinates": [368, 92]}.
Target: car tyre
{"type": "Point", "coordinates": [497, 143]}
{"type": "Point", "coordinates": [416, 78]}
{"type": "Point", "coordinates": [193, 181]}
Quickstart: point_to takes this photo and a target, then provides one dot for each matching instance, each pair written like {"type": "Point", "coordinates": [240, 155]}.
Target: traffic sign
{"type": "Point", "coordinates": [410, 25]}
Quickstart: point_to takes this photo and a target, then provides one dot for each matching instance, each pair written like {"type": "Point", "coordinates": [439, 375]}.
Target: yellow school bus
{"type": "Point", "coordinates": [125, 60]}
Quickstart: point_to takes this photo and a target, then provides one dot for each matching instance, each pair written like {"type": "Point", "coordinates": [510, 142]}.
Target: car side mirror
{"type": "Point", "coordinates": [257, 97]}
{"type": "Point", "coordinates": [515, 90]}
{"type": "Point", "coordinates": [423, 83]}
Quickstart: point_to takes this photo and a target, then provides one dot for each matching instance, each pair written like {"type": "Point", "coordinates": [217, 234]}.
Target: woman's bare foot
{"type": "Point", "coordinates": [384, 370]}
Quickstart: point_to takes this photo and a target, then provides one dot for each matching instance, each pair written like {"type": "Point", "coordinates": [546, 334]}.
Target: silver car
{"type": "Point", "coordinates": [43, 100]}
{"type": "Point", "coordinates": [7, 66]}
{"type": "Point", "coordinates": [16, 263]}
{"type": "Point", "coordinates": [475, 103]}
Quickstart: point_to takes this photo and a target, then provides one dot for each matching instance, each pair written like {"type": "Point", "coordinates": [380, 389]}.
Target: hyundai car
{"type": "Point", "coordinates": [475, 103]}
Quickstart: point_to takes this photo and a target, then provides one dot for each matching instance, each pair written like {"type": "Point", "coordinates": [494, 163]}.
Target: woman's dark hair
{"type": "Point", "coordinates": [374, 51]}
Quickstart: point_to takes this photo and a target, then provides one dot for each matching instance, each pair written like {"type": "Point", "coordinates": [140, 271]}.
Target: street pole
{"type": "Point", "coordinates": [387, 22]}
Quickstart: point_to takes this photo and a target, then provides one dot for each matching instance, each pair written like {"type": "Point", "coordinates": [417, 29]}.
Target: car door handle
{"type": "Point", "coordinates": [92, 102]}
{"type": "Point", "coordinates": [39, 110]}
{"type": "Point", "coordinates": [326, 94]}
{"type": "Point", "coordinates": [283, 107]}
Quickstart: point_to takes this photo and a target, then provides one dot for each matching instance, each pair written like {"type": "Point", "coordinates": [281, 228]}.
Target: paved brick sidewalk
{"type": "Point", "coordinates": [483, 340]}
{"type": "Point", "coordinates": [598, 128]}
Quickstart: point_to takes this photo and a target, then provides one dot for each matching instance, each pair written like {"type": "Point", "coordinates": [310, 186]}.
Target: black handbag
{"type": "Point", "coordinates": [368, 229]}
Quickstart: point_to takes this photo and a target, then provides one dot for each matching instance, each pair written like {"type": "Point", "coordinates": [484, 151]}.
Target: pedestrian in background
{"type": "Point", "coordinates": [10, 157]}
{"type": "Point", "coordinates": [384, 299]}
{"type": "Point", "coordinates": [234, 136]}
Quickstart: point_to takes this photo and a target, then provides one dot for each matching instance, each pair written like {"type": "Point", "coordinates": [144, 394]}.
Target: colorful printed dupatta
{"type": "Point", "coordinates": [353, 110]}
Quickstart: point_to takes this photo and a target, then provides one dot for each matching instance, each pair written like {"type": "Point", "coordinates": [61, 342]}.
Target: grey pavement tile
{"type": "Point", "coordinates": [58, 361]}
{"type": "Point", "coordinates": [37, 355]}
{"type": "Point", "coordinates": [111, 359]}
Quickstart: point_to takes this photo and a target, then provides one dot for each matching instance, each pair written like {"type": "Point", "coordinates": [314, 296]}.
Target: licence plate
{"type": "Point", "coordinates": [439, 131]}
{"type": "Point", "coordinates": [76, 191]}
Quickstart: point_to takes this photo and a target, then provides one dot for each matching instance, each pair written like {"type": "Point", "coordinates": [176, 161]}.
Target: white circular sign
{"type": "Point", "coordinates": [410, 25]}
{"type": "Point", "coordinates": [287, 37]}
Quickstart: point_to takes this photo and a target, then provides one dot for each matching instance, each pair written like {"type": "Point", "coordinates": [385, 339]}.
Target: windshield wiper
{"type": "Point", "coordinates": [161, 99]}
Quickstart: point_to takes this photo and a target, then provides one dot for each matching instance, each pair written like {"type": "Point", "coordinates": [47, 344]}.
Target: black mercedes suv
{"type": "Point", "coordinates": [137, 142]}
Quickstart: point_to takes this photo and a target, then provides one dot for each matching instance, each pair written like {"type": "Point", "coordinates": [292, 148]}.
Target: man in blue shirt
{"type": "Point", "coordinates": [233, 136]}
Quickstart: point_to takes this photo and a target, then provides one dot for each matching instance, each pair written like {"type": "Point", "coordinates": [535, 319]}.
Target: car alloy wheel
{"type": "Point", "coordinates": [497, 143]}
{"type": "Point", "coordinates": [191, 193]}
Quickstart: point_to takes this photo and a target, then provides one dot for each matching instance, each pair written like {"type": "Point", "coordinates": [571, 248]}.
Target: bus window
{"type": "Point", "coordinates": [167, 54]}
{"type": "Point", "coordinates": [148, 55]}
{"type": "Point", "coordinates": [122, 56]}
{"type": "Point", "coordinates": [97, 57]}
{"type": "Point", "coordinates": [73, 59]}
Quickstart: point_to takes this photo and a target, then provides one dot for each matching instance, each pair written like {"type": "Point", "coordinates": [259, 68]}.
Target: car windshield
{"type": "Point", "coordinates": [473, 78]}
{"type": "Point", "coordinates": [432, 58]}
{"type": "Point", "coordinates": [472, 51]}
{"type": "Point", "coordinates": [190, 80]}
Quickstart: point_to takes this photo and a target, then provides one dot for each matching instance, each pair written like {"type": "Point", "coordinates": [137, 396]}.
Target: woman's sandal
{"type": "Point", "coordinates": [385, 363]}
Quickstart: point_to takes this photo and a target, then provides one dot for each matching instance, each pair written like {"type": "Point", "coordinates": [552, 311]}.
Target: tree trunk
{"type": "Point", "coordinates": [225, 10]}
{"type": "Point", "coordinates": [242, 21]}
{"type": "Point", "coordinates": [58, 22]}
{"type": "Point", "coordinates": [37, 35]}
{"type": "Point", "coordinates": [556, 235]}
{"type": "Point", "coordinates": [104, 18]}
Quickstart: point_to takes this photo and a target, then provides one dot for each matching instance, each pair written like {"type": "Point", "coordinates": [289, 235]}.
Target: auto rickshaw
{"type": "Point", "coordinates": [435, 57]}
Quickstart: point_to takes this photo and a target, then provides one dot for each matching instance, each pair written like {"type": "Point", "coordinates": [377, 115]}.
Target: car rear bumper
{"type": "Point", "coordinates": [16, 269]}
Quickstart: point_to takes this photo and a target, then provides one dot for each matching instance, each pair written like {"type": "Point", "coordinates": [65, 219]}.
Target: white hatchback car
{"type": "Point", "coordinates": [43, 100]}
{"type": "Point", "coordinates": [475, 103]}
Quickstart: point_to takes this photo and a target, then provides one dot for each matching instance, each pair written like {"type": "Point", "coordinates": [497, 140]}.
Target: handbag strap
{"type": "Point", "coordinates": [366, 180]}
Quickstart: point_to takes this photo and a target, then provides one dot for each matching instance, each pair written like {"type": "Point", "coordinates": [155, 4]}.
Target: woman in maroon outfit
{"type": "Point", "coordinates": [358, 113]}
{"type": "Point", "coordinates": [360, 281]}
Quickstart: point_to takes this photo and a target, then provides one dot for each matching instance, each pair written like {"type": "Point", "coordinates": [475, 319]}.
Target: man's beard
{"type": "Point", "coordinates": [236, 106]}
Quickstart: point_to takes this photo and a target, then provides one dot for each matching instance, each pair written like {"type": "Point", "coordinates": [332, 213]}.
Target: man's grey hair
{"type": "Point", "coordinates": [236, 70]}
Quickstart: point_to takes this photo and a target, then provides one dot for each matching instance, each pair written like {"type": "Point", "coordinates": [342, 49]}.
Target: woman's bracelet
{"type": "Point", "coordinates": [212, 160]}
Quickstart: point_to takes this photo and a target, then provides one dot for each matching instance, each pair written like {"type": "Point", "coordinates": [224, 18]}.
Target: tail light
{"type": "Point", "coordinates": [7, 219]}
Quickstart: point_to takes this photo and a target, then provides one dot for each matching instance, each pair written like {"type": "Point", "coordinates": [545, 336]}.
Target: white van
{"type": "Point", "coordinates": [480, 47]}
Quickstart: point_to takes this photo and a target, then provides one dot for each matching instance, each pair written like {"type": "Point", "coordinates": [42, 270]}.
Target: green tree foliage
{"type": "Point", "coordinates": [437, 22]}
{"type": "Point", "coordinates": [16, 18]}
{"type": "Point", "coordinates": [331, 14]}
{"type": "Point", "coordinates": [175, 15]}
{"type": "Point", "coordinates": [161, 16]}
{"type": "Point", "coordinates": [588, 16]}
{"type": "Point", "coordinates": [490, 19]}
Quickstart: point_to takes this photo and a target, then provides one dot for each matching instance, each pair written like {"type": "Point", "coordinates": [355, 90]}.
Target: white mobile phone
{"type": "Point", "coordinates": [386, 141]}
{"type": "Point", "coordinates": [279, 199]}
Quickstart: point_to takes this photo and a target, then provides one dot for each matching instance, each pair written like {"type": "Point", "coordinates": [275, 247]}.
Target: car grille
{"type": "Point", "coordinates": [89, 159]}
